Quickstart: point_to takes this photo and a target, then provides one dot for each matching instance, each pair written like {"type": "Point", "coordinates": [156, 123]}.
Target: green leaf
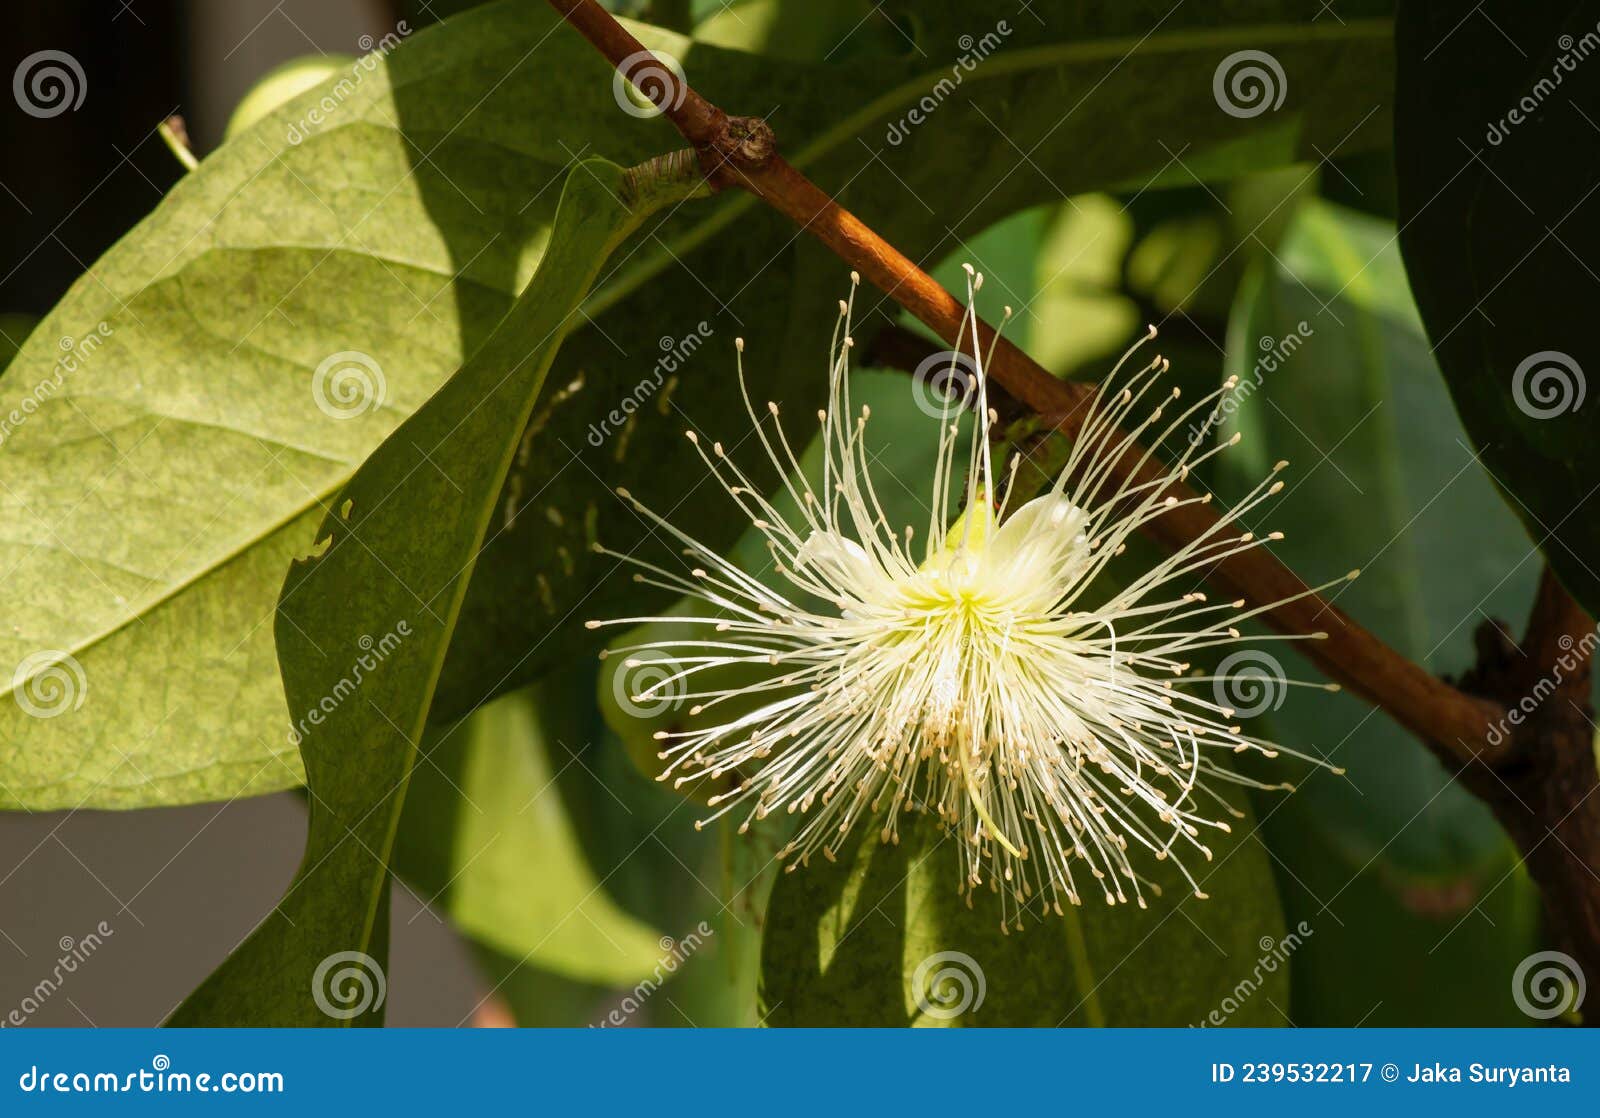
{"type": "Point", "coordinates": [641, 857]}
{"type": "Point", "coordinates": [1496, 151]}
{"type": "Point", "coordinates": [881, 938]}
{"type": "Point", "coordinates": [1335, 376]}
{"type": "Point", "coordinates": [1400, 951]}
{"type": "Point", "coordinates": [486, 840]}
{"type": "Point", "coordinates": [365, 621]}
{"type": "Point", "coordinates": [152, 506]}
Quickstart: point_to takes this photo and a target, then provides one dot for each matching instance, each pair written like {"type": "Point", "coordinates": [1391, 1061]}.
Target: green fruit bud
{"type": "Point", "coordinates": [282, 84]}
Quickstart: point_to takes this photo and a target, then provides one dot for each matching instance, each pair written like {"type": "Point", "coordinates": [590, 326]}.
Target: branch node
{"type": "Point", "coordinates": [740, 145]}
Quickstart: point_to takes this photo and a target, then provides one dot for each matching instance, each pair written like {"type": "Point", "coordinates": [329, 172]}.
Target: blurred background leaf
{"type": "Point", "coordinates": [486, 839]}
{"type": "Point", "coordinates": [1336, 376]}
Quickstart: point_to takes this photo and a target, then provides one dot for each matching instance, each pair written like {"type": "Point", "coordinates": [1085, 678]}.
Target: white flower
{"type": "Point", "coordinates": [1054, 732]}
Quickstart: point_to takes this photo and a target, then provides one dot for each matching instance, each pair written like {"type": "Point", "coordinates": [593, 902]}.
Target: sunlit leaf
{"type": "Point", "coordinates": [365, 621]}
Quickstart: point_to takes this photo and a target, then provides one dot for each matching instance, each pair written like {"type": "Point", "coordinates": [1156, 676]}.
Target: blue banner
{"type": "Point", "coordinates": [1186, 1071]}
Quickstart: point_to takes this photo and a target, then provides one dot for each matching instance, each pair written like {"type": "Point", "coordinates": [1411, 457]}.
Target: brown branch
{"type": "Point", "coordinates": [1557, 626]}
{"type": "Point", "coordinates": [1546, 793]}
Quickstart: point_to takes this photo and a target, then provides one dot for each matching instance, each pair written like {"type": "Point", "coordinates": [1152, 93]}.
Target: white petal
{"type": "Point", "coordinates": [1042, 540]}
{"type": "Point", "coordinates": [840, 561]}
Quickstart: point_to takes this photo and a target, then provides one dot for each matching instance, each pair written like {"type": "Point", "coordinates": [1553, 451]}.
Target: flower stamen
{"type": "Point", "coordinates": [1056, 733]}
